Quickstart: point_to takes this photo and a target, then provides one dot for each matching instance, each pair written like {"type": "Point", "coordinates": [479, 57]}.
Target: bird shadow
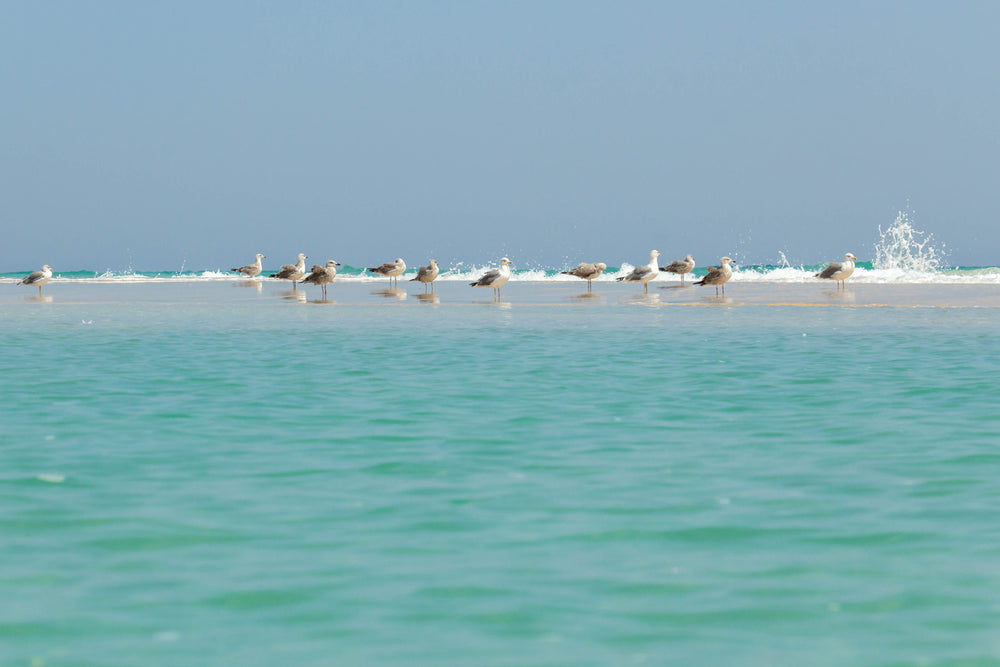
{"type": "Point", "coordinates": [428, 297]}
{"type": "Point", "coordinates": [841, 295]}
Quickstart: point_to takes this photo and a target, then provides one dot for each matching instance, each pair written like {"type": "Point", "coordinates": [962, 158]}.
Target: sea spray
{"type": "Point", "coordinates": [902, 247]}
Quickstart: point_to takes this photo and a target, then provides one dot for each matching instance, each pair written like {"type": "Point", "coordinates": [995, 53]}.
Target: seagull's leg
{"type": "Point", "coordinates": [645, 288]}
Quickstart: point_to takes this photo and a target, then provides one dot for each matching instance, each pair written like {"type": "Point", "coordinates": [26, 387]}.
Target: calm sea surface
{"type": "Point", "coordinates": [267, 483]}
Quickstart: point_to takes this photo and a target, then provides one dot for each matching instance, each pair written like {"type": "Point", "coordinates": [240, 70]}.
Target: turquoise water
{"type": "Point", "coordinates": [254, 484]}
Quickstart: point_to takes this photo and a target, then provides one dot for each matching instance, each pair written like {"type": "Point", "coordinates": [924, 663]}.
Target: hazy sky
{"type": "Point", "coordinates": [199, 133]}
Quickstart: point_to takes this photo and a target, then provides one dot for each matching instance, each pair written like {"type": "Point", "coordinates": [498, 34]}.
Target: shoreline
{"type": "Point", "coordinates": [513, 294]}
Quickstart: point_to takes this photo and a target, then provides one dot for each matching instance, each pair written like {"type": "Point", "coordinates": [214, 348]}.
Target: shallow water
{"type": "Point", "coordinates": [253, 481]}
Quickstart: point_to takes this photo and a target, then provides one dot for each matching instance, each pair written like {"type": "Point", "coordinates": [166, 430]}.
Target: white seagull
{"type": "Point", "coordinates": [588, 271]}
{"type": "Point", "coordinates": [643, 274]}
{"type": "Point", "coordinates": [322, 275]}
{"type": "Point", "coordinates": [718, 275]}
{"type": "Point", "coordinates": [839, 271]}
{"type": "Point", "coordinates": [680, 267]}
{"type": "Point", "coordinates": [390, 269]}
{"type": "Point", "coordinates": [251, 270]}
{"type": "Point", "coordinates": [495, 277]}
{"type": "Point", "coordinates": [427, 274]}
{"type": "Point", "coordinates": [38, 278]}
{"type": "Point", "coordinates": [292, 272]}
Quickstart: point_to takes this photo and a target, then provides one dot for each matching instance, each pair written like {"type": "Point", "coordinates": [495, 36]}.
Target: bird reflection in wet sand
{"type": "Point", "coordinates": [428, 297]}
{"type": "Point", "coordinates": [322, 275]}
{"type": "Point", "coordinates": [255, 284]}
{"type": "Point", "coordinates": [391, 293]}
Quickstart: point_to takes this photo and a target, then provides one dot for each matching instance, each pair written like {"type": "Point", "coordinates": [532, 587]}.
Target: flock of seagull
{"type": "Point", "coordinates": [323, 275]}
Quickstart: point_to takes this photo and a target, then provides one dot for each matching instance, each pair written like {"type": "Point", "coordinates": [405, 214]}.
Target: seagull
{"type": "Point", "coordinates": [38, 278]}
{"type": "Point", "coordinates": [587, 271]}
{"type": "Point", "coordinates": [292, 272]}
{"type": "Point", "coordinates": [839, 271]}
{"type": "Point", "coordinates": [643, 274]}
{"type": "Point", "coordinates": [495, 277]}
{"type": "Point", "coordinates": [322, 275]}
{"type": "Point", "coordinates": [251, 270]}
{"type": "Point", "coordinates": [718, 275]}
{"type": "Point", "coordinates": [680, 267]}
{"type": "Point", "coordinates": [390, 269]}
{"type": "Point", "coordinates": [427, 274]}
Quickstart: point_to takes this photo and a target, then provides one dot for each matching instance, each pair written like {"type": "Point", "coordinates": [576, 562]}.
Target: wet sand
{"type": "Point", "coordinates": [454, 293]}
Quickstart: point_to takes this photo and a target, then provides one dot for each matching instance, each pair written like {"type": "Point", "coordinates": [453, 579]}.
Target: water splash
{"type": "Point", "coordinates": [904, 248]}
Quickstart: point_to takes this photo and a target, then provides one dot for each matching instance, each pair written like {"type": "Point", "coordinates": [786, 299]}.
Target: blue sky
{"type": "Point", "coordinates": [197, 134]}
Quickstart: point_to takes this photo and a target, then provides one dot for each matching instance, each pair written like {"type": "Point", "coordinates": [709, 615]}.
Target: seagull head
{"type": "Point", "coordinates": [654, 253]}
{"type": "Point", "coordinates": [850, 257]}
{"type": "Point", "coordinates": [504, 261]}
